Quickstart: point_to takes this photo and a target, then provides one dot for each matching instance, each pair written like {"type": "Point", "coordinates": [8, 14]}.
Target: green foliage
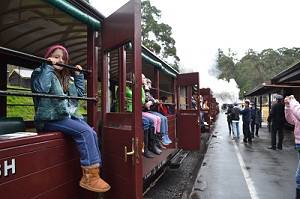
{"type": "Point", "coordinates": [157, 36]}
{"type": "Point", "coordinates": [82, 108]}
{"type": "Point", "coordinates": [225, 63]}
{"type": "Point", "coordinates": [27, 112]}
{"type": "Point", "coordinates": [23, 106]}
{"type": "Point", "coordinates": [255, 68]}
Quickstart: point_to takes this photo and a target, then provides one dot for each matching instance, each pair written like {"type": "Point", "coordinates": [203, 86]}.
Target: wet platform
{"type": "Point", "coordinates": [233, 169]}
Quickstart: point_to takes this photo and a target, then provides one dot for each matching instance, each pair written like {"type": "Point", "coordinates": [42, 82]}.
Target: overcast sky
{"type": "Point", "coordinates": [200, 27]}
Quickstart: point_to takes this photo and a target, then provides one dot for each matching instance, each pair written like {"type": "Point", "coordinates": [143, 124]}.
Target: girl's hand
{"type": "Point", "coordinates": [287, 100]}
{"type": "Point", "coordinates": [76, 71]}
{"type": "Point", "coordinates": [148, 104]}
{"type": "Point", "coordinates": [53, 60]}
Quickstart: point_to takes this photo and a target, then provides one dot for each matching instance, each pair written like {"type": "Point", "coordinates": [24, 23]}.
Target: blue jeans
{"type": "Point", "coordinates": [147, 123]}
{"type": "Point", "coordinates": [164, 122]}
{"type": "Point", "coordinates": [84, 136]}
{"type": "Point", "coordinates": [235, 128]}
{"type": "Point", "coordinates": [298, 173]}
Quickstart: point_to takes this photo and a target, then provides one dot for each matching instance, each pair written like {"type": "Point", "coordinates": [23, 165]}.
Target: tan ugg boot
{"type": "Point", "coordinates": [91, 180]}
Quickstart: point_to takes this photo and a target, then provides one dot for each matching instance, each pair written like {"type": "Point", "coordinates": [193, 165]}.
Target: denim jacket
{"type": "Point", "coordinates": [44, 80]}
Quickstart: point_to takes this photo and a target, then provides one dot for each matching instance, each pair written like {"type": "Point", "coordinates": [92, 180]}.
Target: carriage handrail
{"type": "Point", "coordinates": [167, 92]}
{"type": "Point", "coordinates": [166, 103]}
{"type": "Point", "coordinates": [18, 89]}
{"type": "Point", "coordinates": [22, 55]}
{"type": "Point", "coordinates": [11, 93]}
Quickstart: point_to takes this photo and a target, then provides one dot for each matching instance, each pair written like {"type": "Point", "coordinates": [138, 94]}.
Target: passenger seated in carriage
{"type": "Point", "coordinates": [159, 120]}
{"type": "Point", "coordinates": [151, 123]}
{"type": "Point", "coordinates": [201, 112]}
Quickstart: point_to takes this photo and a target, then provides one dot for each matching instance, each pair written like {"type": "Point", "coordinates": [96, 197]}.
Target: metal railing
{"type": "Point", "coordinates": [10, 52]}
{"type": "Point", "coordinates": [11, 93]}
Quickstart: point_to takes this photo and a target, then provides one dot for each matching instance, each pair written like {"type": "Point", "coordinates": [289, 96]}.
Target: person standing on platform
{"type": "Point", "coordinates": [235, 116]}
{"type": "Point", "coordinates": [258, 121]}
{"type": "Point", "coordinates": [229, 118]}
{"type": "Point", "coordinates": [292, 115]}
{"type": "Point", "coordinates": [246, 113]}
{"type": "Point", "coordinates": [252, 121]}
{"type": "Point", "coordinates": [255, 120]}
{"type": "Point", "coordinates": [277, 119]}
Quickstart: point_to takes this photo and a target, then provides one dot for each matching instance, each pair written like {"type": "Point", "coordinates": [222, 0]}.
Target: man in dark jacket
{"type": "Point", "coordinates": [229, 118]}
{"type": "Point", "coordinates": [255, 120]}
{"type": "Point", "coordinates": [246, 113]}
{"type": "Point", "coordinates": [252, 124]}
{"type": "Point", "coordinates": [277, 118]}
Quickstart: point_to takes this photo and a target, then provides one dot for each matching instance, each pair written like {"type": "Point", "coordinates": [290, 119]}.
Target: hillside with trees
{"type": "Point", "coordinates": [255, 67]}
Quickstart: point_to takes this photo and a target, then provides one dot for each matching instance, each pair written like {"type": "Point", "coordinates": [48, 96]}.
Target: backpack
{"type": "Point", "coordinates": [235, 115]}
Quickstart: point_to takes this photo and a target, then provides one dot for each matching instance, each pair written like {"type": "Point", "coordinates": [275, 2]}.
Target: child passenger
{"type": "Point", "coordinates": [53, 114]}
{"type": "Point", "coordinates": [149, 101]}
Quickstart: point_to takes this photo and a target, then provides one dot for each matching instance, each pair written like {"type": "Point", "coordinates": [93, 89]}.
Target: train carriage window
{"type": "Point", "coordinates": [121, 79]}
{"type": "Point", "coordinates": [188, 97]}
{"type": "Point", "coordinates": [183, 103]}
{"type": "Point", "coordinates": [149, 73]}
{"type": "Point", "coordinates": [18, 79]}
{"type": "Point", "coordinates": [166, 88]}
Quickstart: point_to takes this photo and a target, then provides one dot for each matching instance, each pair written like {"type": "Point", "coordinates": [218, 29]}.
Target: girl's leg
{"type": "Point", "coordinates": [155, 119]}
{"type": "Point", "coordinates": [84, 136]}
{"type": "Point", "coordinates": [164, 123]}
{"type": "Point", "coordinates": [229, 127]}
{"type": "Point", "coordinates": [146, 123]}
{"type": "Point", "coordinates": [298, 173]}
{"type": "Point", "coordinates": [237, 130]}
{"type": "Point", "coordinates": [97, 143]}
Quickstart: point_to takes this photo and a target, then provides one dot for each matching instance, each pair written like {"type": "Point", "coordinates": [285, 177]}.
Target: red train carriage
{"type": "Point", "coordinates": [214, 109]}
{"type": "Point", "coordinates": [186, 115]}
{"type": "Point", "coordinates": [43, 165]}
{"type": "Point", "coordinates": [109, 49]}
{"type": "Point", "coordinates": [206, 94]}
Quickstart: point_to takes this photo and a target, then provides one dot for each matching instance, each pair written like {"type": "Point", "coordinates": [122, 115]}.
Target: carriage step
{"type": "Point", "coordinates": [176, 161]}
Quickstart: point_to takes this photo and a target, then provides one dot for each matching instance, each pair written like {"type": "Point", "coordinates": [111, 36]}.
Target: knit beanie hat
{"type": "Point", "coordinates": [51, 49]}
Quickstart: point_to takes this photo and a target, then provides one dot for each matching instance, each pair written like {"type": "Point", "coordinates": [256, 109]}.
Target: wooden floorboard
{"type": "Point", "coordinates": [150, 163]}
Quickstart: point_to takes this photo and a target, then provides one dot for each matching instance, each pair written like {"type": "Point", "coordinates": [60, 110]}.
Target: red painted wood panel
{"type": "Point", "coordinates": [7, 143]}
{"type": "Point", "coordinates": [118, 173]}
{"type": "Point", "coordinates": [122, 27]}
{"type": "Point", "coordinates": [188, 130]}
{"type": "Point", "coordinates": [172, 130]}
{"type": "Point", "coordinates": [188, 121]}
{"type": "Point", "coordinates": [43, 169]}
{"type": "Point", "coordinates": [188, 79]}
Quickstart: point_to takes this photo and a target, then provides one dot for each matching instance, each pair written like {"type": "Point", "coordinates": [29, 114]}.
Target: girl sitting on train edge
{"type": "Point", "coordinates": [54, 114]}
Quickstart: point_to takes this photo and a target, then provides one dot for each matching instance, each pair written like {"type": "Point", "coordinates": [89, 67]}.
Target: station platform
{"type": "Point", "coordinates": [233, 169]}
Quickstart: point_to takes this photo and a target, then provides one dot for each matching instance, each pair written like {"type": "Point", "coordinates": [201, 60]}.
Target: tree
{"type": "Point", "coordinates": [225, 64]}
{"type": "Point", "coordinates": [157, 36]}
{"type": "Point", "coordinates": [255, 68]}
